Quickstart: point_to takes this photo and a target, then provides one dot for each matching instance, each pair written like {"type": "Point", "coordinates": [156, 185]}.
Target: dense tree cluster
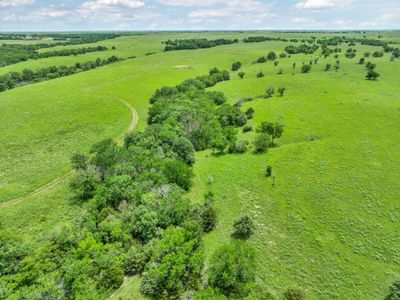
{"type": "Point", "coordinates": [303, 48]}
{"type": "Point", "coordinates": [62, 38]}
{"type": "Point", "coordinates": [190, 44]}
{"type": "Point", "coordinates": [27, 76]}
{"type": "Point", "coordinates": [258, 39]}
{"type": "Point", "coordinates": [13, 53]}
{"type": "Point", "coordinates": [136, 218]}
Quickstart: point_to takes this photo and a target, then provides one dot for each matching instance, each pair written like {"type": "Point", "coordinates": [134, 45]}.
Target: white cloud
{"type": "Point", "coordinates": [190, 2]}
{"type": "Point", "coordinates": [15, 3]}
{"type": "Point", "coordinates": [321, 4]}
{"type": "Point", "coordinates": [235, 8]}
{"type": "Point", "coordinates": [100, 5]}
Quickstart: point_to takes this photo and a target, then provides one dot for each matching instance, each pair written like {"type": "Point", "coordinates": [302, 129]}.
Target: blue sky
{"type": "Point", "coordinates": [46, 15]}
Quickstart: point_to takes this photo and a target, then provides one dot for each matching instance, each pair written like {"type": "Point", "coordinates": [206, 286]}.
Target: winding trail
{"type": "Point", "coordinates": [57, 181]}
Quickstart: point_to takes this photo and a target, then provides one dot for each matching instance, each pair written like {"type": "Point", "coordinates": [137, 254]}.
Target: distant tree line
{"type": "Point", "coordinates": [189, 44]}
{"type": "Point", "coordinates": [258, 39]}
{"type": "Point", "coordinates": [66, 38]}
{"type": "Point", "coordinates": [27, 76]}
{"type": "Point", "coordinates": [303, 48]}
{"type": "Point", "coordinates": [14, 53]}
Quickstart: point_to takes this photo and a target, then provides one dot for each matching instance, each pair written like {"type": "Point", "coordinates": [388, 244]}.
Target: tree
{"type": "Point", "coordinates": [236, 66]}
{"type": "Point", "coordinates": [394, 291]}
{"type": "Point", "coordinates": [305, 68]}
{"type": "Point", "coordinates": [262, 142]}
{"type": "Point", "coordinates": [249, 113]}
{"type": "Point", "coordinates": [361, 61]}
{"type": "Point", "coordinates": [243, 227]}
{"type": "Point", "coordinates": [175, 265]}
{"type": "Point", "coordinates": [281, 91]}
{"type": "Point", "coordinates": [260, 74]}
{"type": "Point", "coordinates": [229, 115]}
{"type": "Point", "coordinates": [274, 130]}
{"type": "Point", "coordinates": [84, 184]}
{"type": "Point", "coordinates": [261, 60]}
{"type": "Point", "coordinates": [269, 92]}
{"type": "Point", "coordinates": [328, 67]}
{"type": "Point", "coordinates": [79, 161]}
{"type": "Point", "coordinates": [271, 56]}
{"type": "Point", "coordinates": [372, 75]}
{"type": "Point", "coordinates": [268, 171]}
{"type": "Point", "coordinates": [232, 269]}
{"type": "Point", "coordinates": [208, 217]}
{"type": "Point", "coordinates": [294, 294]}
{"type": "Point", "coordinates": [184, 149]}
{"type": "Point", "coordinates": [179, 173]}
{"type": "Point", "coordinates": [241, 74]}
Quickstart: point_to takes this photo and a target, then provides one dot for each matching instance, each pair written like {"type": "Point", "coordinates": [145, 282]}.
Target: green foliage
{"type": "Point", "coordinates": [328, 67]}
{"type": "Point", "coordinates": [305, 68]}
{"type": "Point", "coordinates": [281, 91]}
{"type": "Point", "coordinates": [236, 66]}
{"type": "Point", "coordinates": [260, 74]}
{"type": "Point", "coordinates": [178, 173]}
{"type": "Point", "coordinates": [79, 161]}
{"type": "Point", "coordinates": [262, 142]}
{"type": "Point", "coordinates": [269, 92]}
{"type": "Point", "coordinates": [182, 44]}
{"type": "Point", "coordinates": [241, 74]}
{"type": "Point", "coordinates": [229, 115]}
{"type": "Point", "coordinates": [272, 56]}
{"type": "Point", "coordinates": [243, 227]}
{"type": "Point", "coordinates": [294, 294]}
{"type": "Point", "coordinates": [175, 265]}
{"type": "Point", "coordinates": [394, 291]}
{"type": "Point", "coordinates": [84, 184]}
{"type": "Point", "coordinates": [232, 268]}
{"type": "Point", "coordinates": [275, 130]}
{"type": "Point", "coordinates": [372, 75]}
{"type": "Point", "coordinates": [114, 190]}
{"type": "Point", "coordinates": [184, 149]}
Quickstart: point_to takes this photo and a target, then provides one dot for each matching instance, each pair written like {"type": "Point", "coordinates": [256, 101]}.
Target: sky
{"type": "Point", "coordinates": [88, 15]}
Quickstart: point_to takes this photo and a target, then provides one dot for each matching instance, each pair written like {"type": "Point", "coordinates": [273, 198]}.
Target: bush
{"type": "Point", "coordinates": [262, 142]}
{"type": "Point", "coordinates": [232, 268]}
{"type": "Point", "coordinates": [79, 161]}
{"type": "Point", "coordinates": [243, 227]}
{"type": "Point", "coordinates": [328, 67]}
{"type": "Point", "coordinates": [281, 91]}
{"type": "Point", "coordinates": [240, 147]}
{"type": "Point", "coordinates": [271, 56]}
{"type": "Point", "coordinates": [184, 149]}
{"type": "Point", "coordinates": [236, 66]}
{"type": "Point", "coordinates": [394, 291]}
{"type": "Point", "coordinates": [208, 218]}
{"type": "Point", "coordinates": [372, 75]}
{"type": "Point", "coordinates": [294, 294]}
{"type": "Point", "coordinates": [249, 113]}
{"type": "Point", "coordinates": [241, 74]}
{"type": "Point", "coordinates": [260, 74]}
{"type": "Point", "coordinates": [247, 129]}
{"type": "Point", "coordinates": [84, 184]}
{"type": "Point", "coordinates": [179, 173]}
{"type": "Point", "coordinates": [305, 69]}
{"type": "Point", "coordinates": [269, 92]}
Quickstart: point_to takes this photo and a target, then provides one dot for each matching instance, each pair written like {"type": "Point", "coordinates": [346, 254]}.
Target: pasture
{"type": "Point", "coordinates": [328, 222]}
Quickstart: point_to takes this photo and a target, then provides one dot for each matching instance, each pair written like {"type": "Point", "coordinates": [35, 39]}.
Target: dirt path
{"type": "Point", "coordinates": [57, 181]}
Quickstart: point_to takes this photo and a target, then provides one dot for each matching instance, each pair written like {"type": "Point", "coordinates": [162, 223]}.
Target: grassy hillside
{"type": "Point", "coordinates": [328, 224]}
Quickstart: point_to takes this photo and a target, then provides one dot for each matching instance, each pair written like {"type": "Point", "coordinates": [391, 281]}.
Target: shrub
{"type": "Point", "coordinates": [260, 74]}
{"type": "Point", "coordinates": [247, 128]}
{"type": "Point", "coordinates": [243, 227]}
{"type": "Point", "coordinates": [269, 92]}
{"type": "Point", "coordinates": [372, 75]}
{"type": "Point", "coordinates": [208, 217]}
{"type": "Point", "coordinates": [232, 269]}
{"type": "Point", "coordinates": [268, 171]}
{"type": "Point", "coordinates": [79, 161]}
{"type": "Point", "coordinates": [179, 173]}
{"type": "Point", "coordinates": [249, 113]}
{"type": "Point", "coordinates": [394, 291]}
{"type": "Point", "coordinates": [241, 74]}
{"type": "Point", "coordinates": [271, 56]}
{"type": "Point", "coordinates": [294, 294]}
{"type": "Point", "coordinates": [281, 91]}
{"type": "Point", "coordinates": [328, 67]}
{"type": "Point", "coordinates": [262, 142]}
{"type": "Point", "coordinates": [305, 69]}
{"type": "Point", "coordinates": [84, 184]}
{"type": "Point", "coordinates": [236, 66]}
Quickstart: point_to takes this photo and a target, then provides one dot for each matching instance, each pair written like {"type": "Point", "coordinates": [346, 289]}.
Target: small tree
{"type": "Point", "coordinates": [294, 65]}
{"type": "Point", "coordinates": [260, 74]}
{"type": "Point", "coordinates": [271, 56]}
{"type": "Point", "coordinates": [294, 294]}
{"type": "Point", "coordinates": [281, 91]}
{"type": "Point", "coordinates": [361, 61]}
{"type": "Point", "coordinates": [274, 130]}
{"type": "Point", "coordinates": [372, 75]}
{"type": "Point", "coordinates": [243, 227]}
{"type": "Point", "coordinates": [79, 161]}
{"type": "Point", "coordinates": [236, 66]}
{"type": "Point", "coordinates": [262, 142]}
{"type": "Point", "coordinates": [268, 171]}
{"type": "Point", "coordinates": [241, 74]}
{"type": "Point", "coordinates": [269, 92]}
{"type": "Point", "coordinates": [305, 68]}
{"type": "Point", "coordinates": [249, 113]}
{"type": "Point", "coordinates": [276, 63]}
{"type": "Point", "coordinates": [328, 67]}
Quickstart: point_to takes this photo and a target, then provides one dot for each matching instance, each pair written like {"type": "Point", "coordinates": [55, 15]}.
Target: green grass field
{"type": "Point", "coordinates": [330, 222]}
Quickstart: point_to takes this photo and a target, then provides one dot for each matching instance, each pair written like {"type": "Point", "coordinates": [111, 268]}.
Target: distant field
{"type": "Point", "coordinates": [330, 222]}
